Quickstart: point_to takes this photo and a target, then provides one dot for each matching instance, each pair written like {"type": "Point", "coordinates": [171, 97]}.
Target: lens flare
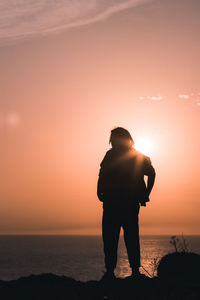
{"type": "Point", "coordinates": [144, 145]}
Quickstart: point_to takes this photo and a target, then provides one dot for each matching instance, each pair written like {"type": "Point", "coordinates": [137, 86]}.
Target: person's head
{"type": "Point", "coordinates": [120, 137]}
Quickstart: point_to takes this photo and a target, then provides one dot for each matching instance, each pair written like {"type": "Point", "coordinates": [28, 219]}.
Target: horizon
{"type": "Point", "coordinates": [99, 235]}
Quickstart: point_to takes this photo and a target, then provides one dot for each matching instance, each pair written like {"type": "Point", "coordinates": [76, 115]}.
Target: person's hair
{"type": "Point", "coordinates": [121, 134]}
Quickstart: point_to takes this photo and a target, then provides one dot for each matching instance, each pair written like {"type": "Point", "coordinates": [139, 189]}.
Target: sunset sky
{"type": "Point", "coordinates": [70, 72]}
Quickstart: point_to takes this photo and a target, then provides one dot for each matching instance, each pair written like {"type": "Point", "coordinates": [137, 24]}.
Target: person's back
{"type": "Point", "coordinates": [122, 176]}
{"type": "Point", "coordinates": [121, 188]}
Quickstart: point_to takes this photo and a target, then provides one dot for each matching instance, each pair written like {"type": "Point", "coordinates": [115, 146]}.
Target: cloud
{"type": "Point", "coordinates": [183, 96]}
{"type": "Point", "coordinates": [153, 98]}
{"type": "Point", "coordinates": [193, 97]}
{"type": "Point", "coordinates": [22, 18]}
{"type": "Point", "coordinates": [156, 98]}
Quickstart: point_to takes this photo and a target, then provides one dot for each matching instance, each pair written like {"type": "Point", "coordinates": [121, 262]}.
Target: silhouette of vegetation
{"type": "Point", "coordinates": [153, 266]}
{"type": "Point", "coordinates": [179, 244]}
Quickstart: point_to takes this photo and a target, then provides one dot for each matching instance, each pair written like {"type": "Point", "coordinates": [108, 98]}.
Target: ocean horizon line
{"type": "Point", "coordinates": [96, 235]}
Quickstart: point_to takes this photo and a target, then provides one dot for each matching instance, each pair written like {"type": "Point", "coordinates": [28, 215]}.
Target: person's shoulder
{"type": "Point", "coordinates": [141, 156]}
{"type": "Point", "coordinates": [109, 151]}
{"type": "Point", "coordinates": [146, 158]}
{"type": "Point", "coordinates": [107, 157]}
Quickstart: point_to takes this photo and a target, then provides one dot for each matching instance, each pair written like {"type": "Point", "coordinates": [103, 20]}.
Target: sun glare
{"type": "Point", "coordinates": [144, 145]}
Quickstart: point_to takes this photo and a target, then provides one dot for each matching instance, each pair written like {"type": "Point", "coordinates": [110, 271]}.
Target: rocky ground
{"type": "Point", "coordinates": [49, 286]}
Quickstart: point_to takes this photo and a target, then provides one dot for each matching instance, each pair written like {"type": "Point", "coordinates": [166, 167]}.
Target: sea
{"type": "Point", "coordinates": [78, 257]}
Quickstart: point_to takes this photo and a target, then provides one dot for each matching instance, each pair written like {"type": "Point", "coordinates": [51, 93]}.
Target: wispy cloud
{"type": "Point", "coordinates": [193, 97]}
{"type": "Point", "coordinates": [183, 96]}
{"type": "Point", "coordinates": [21, 18]}
{"type": "Point", "coordinates": [153, 98]}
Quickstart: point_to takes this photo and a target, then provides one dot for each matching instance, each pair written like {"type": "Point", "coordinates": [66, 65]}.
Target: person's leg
{"type": "Point", "coordinates": [110, 233]}
{"type": "Point", "coordinates": [131, 238]}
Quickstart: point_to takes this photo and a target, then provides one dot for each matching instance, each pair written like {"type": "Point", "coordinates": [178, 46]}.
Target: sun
{"type": "Point", "coordinates": [144, 145]}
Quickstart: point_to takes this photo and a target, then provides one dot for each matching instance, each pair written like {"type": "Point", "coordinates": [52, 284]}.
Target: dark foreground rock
{"type": "Point", "coordinates": [184, 266]}
{"type": "Point", "coordinates": [49, 286]}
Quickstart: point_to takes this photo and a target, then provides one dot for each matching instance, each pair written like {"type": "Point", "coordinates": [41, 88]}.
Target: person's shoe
{"type": "Point", "coordinates": [108, 276]}
{"type": "Point", "coordinates": [136, 273]}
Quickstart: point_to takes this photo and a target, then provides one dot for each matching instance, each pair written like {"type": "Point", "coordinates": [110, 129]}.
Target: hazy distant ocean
{"type": "Point", "coordinates": [80, 257]}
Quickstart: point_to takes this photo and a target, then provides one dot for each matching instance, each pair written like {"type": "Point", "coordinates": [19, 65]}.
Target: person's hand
{"type": "Point", "coordinates": [143, 201]}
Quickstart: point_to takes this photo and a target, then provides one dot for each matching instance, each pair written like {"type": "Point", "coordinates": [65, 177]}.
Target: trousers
{"type": "Point", "coordinates": [112, 221]}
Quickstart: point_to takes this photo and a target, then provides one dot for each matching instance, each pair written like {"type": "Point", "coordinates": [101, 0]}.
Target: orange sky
{"type": "Point", "coordinates": [62, 93]}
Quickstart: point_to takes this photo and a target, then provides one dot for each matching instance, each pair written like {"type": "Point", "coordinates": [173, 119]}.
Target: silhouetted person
{"type": "Point", "coordinates": [122, 189]}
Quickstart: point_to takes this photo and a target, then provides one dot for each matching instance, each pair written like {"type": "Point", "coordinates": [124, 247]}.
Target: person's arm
{"type": "Point", "coordinates": [99, 190]}
{"type": "Point", "coordinates": [149, 171]}
{"type": "Point", "coordinates": [151, 179]}
{"type": "Point", "coordinates": [100, 185]}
